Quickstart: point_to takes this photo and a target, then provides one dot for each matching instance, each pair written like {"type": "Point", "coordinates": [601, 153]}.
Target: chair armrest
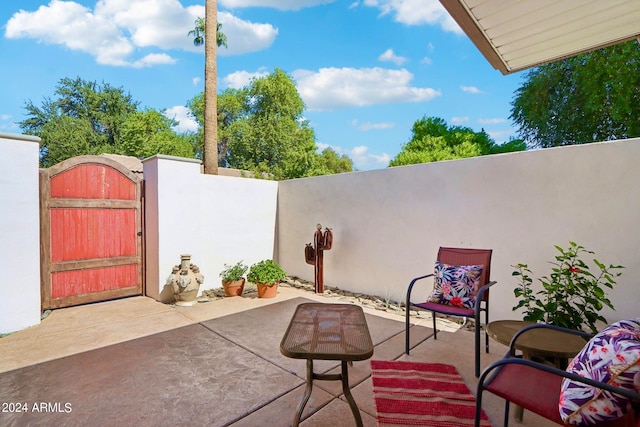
{"type": "Point", "coordinates": [524, 330]}
{"type": "Point", "coordinates": [484, 289]}
{"type": "Point", "coordinates": [480, 296]}
{"type": "Point", "coordinates": [410, 289]}
{"type": "Point", "coordinates": [559, 372]}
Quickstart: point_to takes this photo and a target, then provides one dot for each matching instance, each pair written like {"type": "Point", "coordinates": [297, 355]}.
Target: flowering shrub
{"type": "Point", "coordinates": [572, 296]}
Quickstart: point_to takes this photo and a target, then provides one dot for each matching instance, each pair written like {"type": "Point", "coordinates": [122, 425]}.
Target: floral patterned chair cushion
{"type": "Point", "coordinates": [613, 357]}
{"type": "Point", "coordinates": [456, 285]}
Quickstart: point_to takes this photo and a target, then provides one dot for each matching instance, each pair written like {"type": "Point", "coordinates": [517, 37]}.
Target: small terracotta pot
{"type": "Point", "coordinates": [234, 288]}
{"type": "Point", "coordinates": [267, 291]}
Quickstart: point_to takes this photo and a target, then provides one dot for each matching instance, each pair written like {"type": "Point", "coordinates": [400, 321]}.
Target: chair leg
{"type": "Point", "coordinates": [435, 330]}
{"type": "Point", "coordinates": [506, 413]}
{"type": "Point", "coordinates": [477, 348]}
{"type": "Point", "coordinates": [486, 340]}
{"type": "Point", "coordinates": [486, 322]}
{"type": "Point", "coordinates": [476, 422]}
{"type": "Point", "coordinates": [407, 326]}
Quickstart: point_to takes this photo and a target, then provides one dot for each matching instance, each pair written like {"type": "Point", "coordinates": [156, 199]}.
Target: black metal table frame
{"type": "Point", "coordinates": [345, 359]}
{"type": "Point", "coordinates": [343, 376]}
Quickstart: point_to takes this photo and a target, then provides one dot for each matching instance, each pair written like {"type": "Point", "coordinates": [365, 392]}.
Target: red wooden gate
{"type": "Point", "coordinates": [91, 228]}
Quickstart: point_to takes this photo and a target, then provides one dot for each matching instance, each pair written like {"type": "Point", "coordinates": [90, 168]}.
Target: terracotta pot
{"type": "Point", "coordinates": [267, 291]}
{"type": "Point", "coordinates": [234, 288]}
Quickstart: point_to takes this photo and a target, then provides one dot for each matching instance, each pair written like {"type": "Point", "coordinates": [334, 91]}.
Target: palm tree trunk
{"type": "Point", "coordinates": [211, 88]}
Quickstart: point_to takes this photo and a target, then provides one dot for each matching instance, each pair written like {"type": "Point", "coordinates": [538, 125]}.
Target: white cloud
{"type": "Point", "coordinates": [459, 120]}
{"type": "Point", "coordinates": [332, 88]}
{"type": "Point", "coordinates": [183, 116]}
{"type": "Point", "coordinates": [362, 159]}
{"type": "Point", "coordinates": [196, 80]}
{"type": "Point", "coordinates": [493, 121]}
{"type": "Point", "coordinates": [417, 12]}
{"type": "Point", "coordinates": [470, 89]}
{"type": "Point", "coordinates": [244, 36]}
{"type": "Point", "coordinates": [115, 30]}
{"type": "Point", "coordinates": [277, 4]}
{"type": "Point", "coordinates": [360, 155]}
{"type": "Point", "coordinates": [366, 126]}
{"type": "Point", "coordinates": [426, 60]}
{"type": "Point", "coordinates": [389, 55]}
{"type": "Point", "coordinates": [501, 136]}
{"type": "Point", "coordinates": [74, 26]}
{"type": "Point", "coordinates": [240, 79]}
{"type": "Point", "coordinates": [153, 59]}
{"type": "Point", "coordinates": [7, 124]}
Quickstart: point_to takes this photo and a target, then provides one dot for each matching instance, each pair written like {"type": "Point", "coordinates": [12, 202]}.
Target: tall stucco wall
{"type": "Point", "coordinates": [388, 224]}
{"type": "Point", "coordinates": [172, 219]}
{"type": "Point", "coordinates": [19, 232]}
{"type": "Point", "coordinates": [238, 220]}
{"type": "Point", "coordinates": [217, 219]}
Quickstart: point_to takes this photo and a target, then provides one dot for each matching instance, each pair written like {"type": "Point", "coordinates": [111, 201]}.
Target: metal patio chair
{"type": "Point", "coordinates": [459, 257]}
{"type": "Point", "coordinates": [535, 386]}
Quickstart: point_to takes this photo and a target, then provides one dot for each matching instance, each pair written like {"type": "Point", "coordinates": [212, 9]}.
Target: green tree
{"type": "Point", "coordinates": [433, 140]}
{"type": "Point", "coordinates": [198, 33]}
{"type": "Point", "coordinates": [88, 118]}
{"type": "Point", "coordinates": [149, 132]}
{"type": "Point", "coordinates": [262, 129]}
{"type": "Point", "coordinates": [273, 137]}
{"type": "Point", "coordinates": [231, 107]}
{"type": "Point", "coordinates": [85, 118]}
{"type": "Point", "coordinates": [329, 162]}
{"type": "Point", "coordinates": [588, 98]}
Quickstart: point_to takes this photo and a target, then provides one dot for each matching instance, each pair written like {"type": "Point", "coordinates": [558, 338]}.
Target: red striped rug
{"type": "Point", "coordinates": [422, 394]}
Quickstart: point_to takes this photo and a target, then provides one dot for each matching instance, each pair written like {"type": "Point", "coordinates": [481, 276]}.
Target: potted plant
{"type": "Point", "coordinates": [232, 279]}
{"type": "Point", "coordinates": [572, 296]}
{"type": "Point", "coordinates": [266, 275]}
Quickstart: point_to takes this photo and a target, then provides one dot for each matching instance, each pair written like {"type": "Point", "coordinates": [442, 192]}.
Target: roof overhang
{"type": "Point", "coordinates": [518, 34]}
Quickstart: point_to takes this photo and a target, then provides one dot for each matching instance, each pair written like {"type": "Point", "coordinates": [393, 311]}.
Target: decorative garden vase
{"type": "Point", "coordinates": [185, 279]}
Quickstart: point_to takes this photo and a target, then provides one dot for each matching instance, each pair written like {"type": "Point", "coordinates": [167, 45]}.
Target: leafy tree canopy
{"type": "Point", "coordinates": [198, 33]}
{"type": "Point", "coordinates": [261, 128]}
{"type": "Point", "coordinates": [89, 118]}
{"type": "Point", "coordinates": [329, 162]}
{"type": "Point", "coordinates": [433, 140]}
{"type": "Point", "coordinates": [149, 132]}
{"type": "Point", "coordinates": [591, 97]}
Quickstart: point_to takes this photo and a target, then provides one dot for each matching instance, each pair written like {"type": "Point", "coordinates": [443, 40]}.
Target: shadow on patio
{"type": "Point", "coordinates": [136, 361]}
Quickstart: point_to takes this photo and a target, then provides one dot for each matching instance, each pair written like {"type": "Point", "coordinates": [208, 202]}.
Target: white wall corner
{"type": "Point", "coordinates": [19, 225]}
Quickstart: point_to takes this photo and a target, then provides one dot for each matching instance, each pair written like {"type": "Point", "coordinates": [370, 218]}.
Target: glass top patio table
{"type": "Point", "coordinates": [327, 332]}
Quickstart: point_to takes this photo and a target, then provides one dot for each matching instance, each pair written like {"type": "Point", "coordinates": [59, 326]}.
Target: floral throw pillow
{"type": "Point", "coordinates": [613, 357]}
{"type": "Point", "coordinates": [456, 285]}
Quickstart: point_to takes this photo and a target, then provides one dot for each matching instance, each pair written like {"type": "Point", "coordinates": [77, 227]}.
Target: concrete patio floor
{"type": "Point", "coordinates": [135, 361]}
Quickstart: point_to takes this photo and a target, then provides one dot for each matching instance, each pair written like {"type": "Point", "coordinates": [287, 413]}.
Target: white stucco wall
{"type": "Point", "coordinates": [238, 223]}
{"type": "Point", "coordinates": [19, 232]}
{"type": "Point", "coordinates": [388, 224]}
{"type": "Point", "coordinates": [172, 219]}
{"type": "Point", "coordinates": [217, 219]}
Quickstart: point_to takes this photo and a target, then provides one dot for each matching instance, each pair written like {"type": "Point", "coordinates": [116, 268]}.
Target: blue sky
{"type": "Point", "coordinates": [366, 70]}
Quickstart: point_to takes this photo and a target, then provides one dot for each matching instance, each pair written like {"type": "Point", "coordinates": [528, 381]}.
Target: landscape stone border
{"type": "Point", "coordinates": [363, 300]}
